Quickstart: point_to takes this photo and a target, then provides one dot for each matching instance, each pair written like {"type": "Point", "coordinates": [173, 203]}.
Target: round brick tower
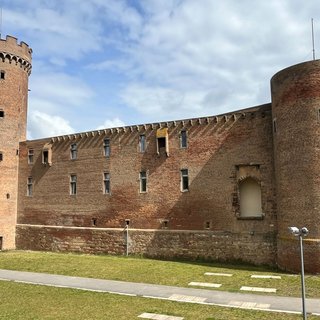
{"type": "Point", "coordinates": [15, 68]}
{"type": "Point", "coordinates": [296, 136]}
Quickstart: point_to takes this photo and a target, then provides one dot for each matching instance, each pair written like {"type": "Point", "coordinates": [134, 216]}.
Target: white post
{"type": "Point", "coordinates": [304, 311]}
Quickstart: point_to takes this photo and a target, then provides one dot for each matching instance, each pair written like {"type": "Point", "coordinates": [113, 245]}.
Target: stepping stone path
{"type": "Point", "coordinates": [184, 298]}
{"type": "Point", "coordinates": [158, 316]}
{"type": "Point", "coordinates": [218, 274]}
{"type": "Point", "coordinates": [205, 284]}
{"type": "Point", "coordinates": [255, 276]}
{"type": "Point", "coordinates": [255, 289]}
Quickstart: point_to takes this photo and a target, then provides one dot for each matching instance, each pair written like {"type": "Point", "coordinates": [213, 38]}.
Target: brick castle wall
{"type": "Point", "coordinates": [216, 147]}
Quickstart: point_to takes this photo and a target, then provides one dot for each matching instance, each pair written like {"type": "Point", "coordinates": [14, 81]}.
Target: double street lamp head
{"type": "Point", "coordinates": [299, 232]}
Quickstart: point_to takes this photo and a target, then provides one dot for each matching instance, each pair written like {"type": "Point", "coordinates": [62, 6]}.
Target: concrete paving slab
{"type": "Point", "coordinates": [218, 274]}
{"type": "Point", "coordinates": [155, 316]}
{"type": "Point", "coordinates": [256, 276]}
{"type": "Point", "coordinates": [205, 284]}
{"type": "Point", "coordinates": [184, 298]}
{"type": "Point", "coordinates": [257, 289]}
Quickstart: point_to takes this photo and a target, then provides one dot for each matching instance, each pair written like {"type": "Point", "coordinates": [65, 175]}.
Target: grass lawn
{"type": "Point", "coordinates": [24, 301]}
{"type": "Point", "coordinates": [175, 273]}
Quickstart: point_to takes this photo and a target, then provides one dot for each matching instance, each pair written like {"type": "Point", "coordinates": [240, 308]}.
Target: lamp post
{"type": "Point", "coordinates": [303, 232]}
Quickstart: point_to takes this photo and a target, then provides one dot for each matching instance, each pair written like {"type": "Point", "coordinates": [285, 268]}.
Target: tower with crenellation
{"type": "Point", "coordinates": [15, 68]}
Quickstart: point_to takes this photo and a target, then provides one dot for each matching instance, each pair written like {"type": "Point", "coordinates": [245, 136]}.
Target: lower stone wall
{"type": "Point", "coordinates": [288, 250]}
{"type": "Point", "coordinates": [168, 244]}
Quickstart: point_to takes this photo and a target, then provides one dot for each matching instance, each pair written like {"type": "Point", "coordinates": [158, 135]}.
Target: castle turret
{"type": "Point", "coordinates": [296, 136]}
{"type": "Point", "coordinates": [15, 68]}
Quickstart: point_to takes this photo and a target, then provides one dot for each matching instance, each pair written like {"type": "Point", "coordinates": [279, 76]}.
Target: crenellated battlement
{"type": "Point", "coordinates": [20, 50]}
{"type": "Point", "coordinates": [251, 113]}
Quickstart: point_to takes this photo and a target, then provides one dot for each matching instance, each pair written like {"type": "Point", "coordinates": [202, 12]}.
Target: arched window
{"type": "Point", "coordinates": [250, 198]}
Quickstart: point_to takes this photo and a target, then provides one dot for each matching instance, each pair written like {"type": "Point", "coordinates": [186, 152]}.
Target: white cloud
{"type": "Point", "coordinates": [45, 125]}
{"type": "Point", "coordinates": [111, 123]}
{"type": "Point", "coordinates": [59, 87]}
{"type": "Point", "coordinates": [153, 59]}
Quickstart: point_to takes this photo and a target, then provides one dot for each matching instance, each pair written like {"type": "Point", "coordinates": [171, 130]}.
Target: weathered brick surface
{"type": "Point", "coordinates": [295, 107]}
{"type": "Point", "coordinates": [215, 149]}
{"type": "Point", "coordinates": [15, 61]}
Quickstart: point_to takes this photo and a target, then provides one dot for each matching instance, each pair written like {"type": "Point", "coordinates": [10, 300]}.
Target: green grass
{"type": "Point", "coordinates": [175, 273]}
{"type": "Point", "coordinates": [26, 302]}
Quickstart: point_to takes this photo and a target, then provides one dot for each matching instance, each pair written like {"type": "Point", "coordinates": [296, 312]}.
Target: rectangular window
{"type": "Point", "coordinates": [45, 156]}
{"type": "Point", "coordinates": [30, 156]}
{"type": "Point", "coordinates": [1, 156]}
{"type": "Point", "coordinates": [184, 180]}
{"type": "Point", "coordinates": [2, 75]}
{"type": "Point", "coordinates": [143, 181]}
{"type": "Point", "coordinates": [142, 143]}
{"type": "Point", "coordinates": [183, 139]}
{"type": "Point", "coordinates": [73, 151]}
{"type": "Point", "coordinates": [29, 187]}
{"type": "Point", "coordinates": [106, 147]}
{"type": "Point", "coordinates": [73, 184]}
{"type": "Point", "coordinates": [106, 183]}
{"type": "Point", "coordinates": [1, 114]}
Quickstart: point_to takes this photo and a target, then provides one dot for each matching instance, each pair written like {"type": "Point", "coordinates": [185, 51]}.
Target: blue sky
{"type": "Point", "coordinates": [106, 63]}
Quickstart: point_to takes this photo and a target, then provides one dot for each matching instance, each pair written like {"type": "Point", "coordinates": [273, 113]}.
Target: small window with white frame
{"type": "Point", "coordinates": [73, 184]}
{"type": "Point", "coordinates": [183, 139]}
{"type": "Point", "coordinates": [29, 187]}
{"type": "Point", "coordinates": [184, 180]}
{"type": "Point", "coordinates": [30, 156]}
{"type": "Point", "coordinates": [106, 147]}
{"type": "Point", "coordinates": [142, 143]}
{"type": "Point", "coordinates": [143, 181]}
{"type": "Point", "coordinates": [73, 151]}
{"type": "Point", "coordinates": [106, 183]}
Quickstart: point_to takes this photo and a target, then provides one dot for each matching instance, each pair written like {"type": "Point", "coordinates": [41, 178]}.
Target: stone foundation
{"type": "Point", "coordinates": [168, 244]}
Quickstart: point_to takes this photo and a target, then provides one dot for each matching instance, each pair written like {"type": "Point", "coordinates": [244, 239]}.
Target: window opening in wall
{"type": "Point", "coordinates": [30, 156]}
{"type": "Point", "coordinates": [183, 139]}
{"type": "Point", "coordinates": [143, 181]}
{"type": "Point", "coordinates": [106, 147]}
{"type": "Point", "coordinates": [1, 243]}
{"type": "Point", "coordinates": [161, 144]}
{"type": "Point", "coordinates": [29, 187]}
{"type": "Point", "coordinates": [250, 198]}
{"type": "Point", "coordinates": [208, 225]}
{"type": "Point", "coordinates": [165, 224]}
{"type": "Point", "coordinates": [127, 222]}
{"type": "Point", "coordinates": [1, 156]}
{"type": "Point", "coordinates": [2, 75]}
{"type": "Point", "coordinates": [162, 141]}
{"type": "Point", "coordinates": [1, 114]}
{"type": "Point", "coordinates": [45, 156]}
{"type": "Point", "coordinates": [73, 151]}
{"type": "Point", "coordinates": [8, 195]}
{"type": "Point", "coordinates": [142, 143]}
{"type": "Point", "coordinates": [94, 222]}
{"type": "Point", "coordinates": [73, 184]}
{"type": "Point", "coordinates": [106, 182]}
{"type": "Point", "coordinates": [184, 180]}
